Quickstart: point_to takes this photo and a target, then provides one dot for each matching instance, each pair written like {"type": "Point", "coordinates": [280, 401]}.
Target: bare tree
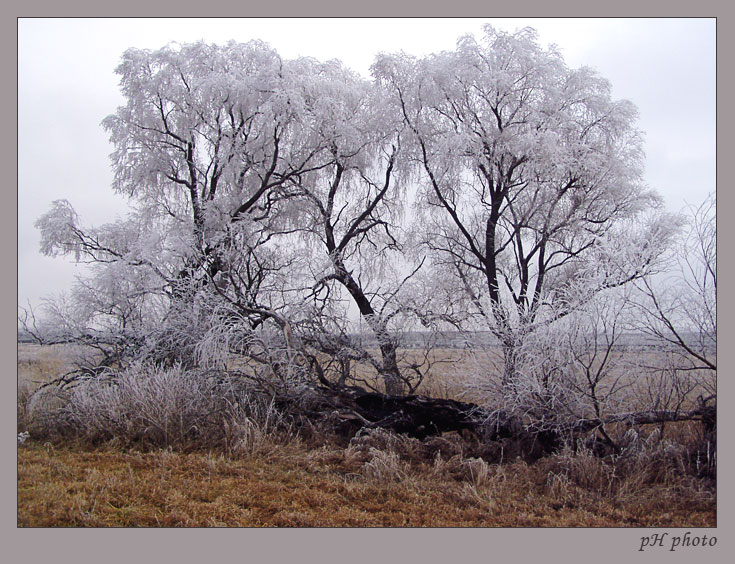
{"type": "Point", "coordinates": [678, 311]}
{"type": "Point", "coordinates": [681, 308]}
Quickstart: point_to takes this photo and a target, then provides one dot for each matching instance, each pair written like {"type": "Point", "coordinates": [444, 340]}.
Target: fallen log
{"type": "Point", "coordinates": [707, 414]}
{"type": "Point", "coordinates": [421, 417]}
{"type": "Point", "coordinates": [414, 416]}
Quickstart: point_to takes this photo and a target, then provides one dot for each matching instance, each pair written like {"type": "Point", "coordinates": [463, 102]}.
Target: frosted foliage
{"type": "Point", "coordinates": [528, 167]}
{"type": "Point", "coordinates": [566, 370]}
{"type": "Point", "coordinates": [227, 120]}
{"type": "Point", "coordinates": [296, 223]}
{"type": "Point", "coordinates": [57, 227]}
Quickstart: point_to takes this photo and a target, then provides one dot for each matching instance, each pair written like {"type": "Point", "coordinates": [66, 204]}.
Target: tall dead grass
{"type": "Point", "coordinates": [160, 408]}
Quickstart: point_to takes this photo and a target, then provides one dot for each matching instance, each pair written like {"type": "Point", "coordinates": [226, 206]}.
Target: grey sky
{"type": "Point", "coordinates": [67, 85]}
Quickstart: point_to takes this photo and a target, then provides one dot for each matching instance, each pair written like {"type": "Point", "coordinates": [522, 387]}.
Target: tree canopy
{"type": "Point", "coordinates": [277, 205]}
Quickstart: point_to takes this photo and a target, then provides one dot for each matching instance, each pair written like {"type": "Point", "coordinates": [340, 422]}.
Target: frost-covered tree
{"type": "Point", "coordinates": [211, 137]}
{"type": "Point", "coordinates": [207, 147]}
{"type": "Point", "coordinates": [279, 206]}
{"type": "Point", "coordinates": [350, 214]}
{"type": "Point", "coordinates": [257, 184]}
{"type": "Point", "coordinates": [531, 198]}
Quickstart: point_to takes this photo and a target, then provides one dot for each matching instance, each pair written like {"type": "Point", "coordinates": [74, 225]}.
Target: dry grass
{"type": "Point", "coordinates": [379, 479]}
{"type": "Point", "coordinates": [328, 487]}
{"type": "Point", "coordinates": [38, 364]}
{"type": "Point", "coordinates": [442, 369]}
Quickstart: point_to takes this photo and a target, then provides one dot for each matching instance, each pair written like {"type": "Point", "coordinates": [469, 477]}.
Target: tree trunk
{"type": "Point", "coordinates": [390, 373]}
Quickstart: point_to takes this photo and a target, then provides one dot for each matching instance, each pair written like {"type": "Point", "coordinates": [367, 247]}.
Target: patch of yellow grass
{"type": "Point", "coordinates": [328, 487]}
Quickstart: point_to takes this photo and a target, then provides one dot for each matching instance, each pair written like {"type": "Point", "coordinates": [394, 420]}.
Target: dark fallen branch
{"type": "Point", "coordinates": [707, 414]}
{"type": "Point", "coordinates": [411, 415]}
{"type": "Point", "coordinates": [420, 417]}
{"type": "Point", "coordinates": [353, 409]}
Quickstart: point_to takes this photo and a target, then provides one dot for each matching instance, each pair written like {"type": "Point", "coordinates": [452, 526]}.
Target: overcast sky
{"type": "Point", "coordinates": [67, 85]}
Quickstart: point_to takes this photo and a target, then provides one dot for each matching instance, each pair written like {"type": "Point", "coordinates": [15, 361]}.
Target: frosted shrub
{"type": "Point", "coordinates": [159, 407]}
{"type": "Point", "coordinates": [45, 412]}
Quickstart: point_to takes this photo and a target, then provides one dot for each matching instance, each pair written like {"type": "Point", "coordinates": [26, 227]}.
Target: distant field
{"type": "Point", "coordinates": [40, 363]}
{"type": "Point", "coordinates": [445, 368]}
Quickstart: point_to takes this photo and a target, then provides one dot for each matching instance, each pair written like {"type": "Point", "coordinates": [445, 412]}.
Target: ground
{"type": "Point", "coordinates": [294, 486]}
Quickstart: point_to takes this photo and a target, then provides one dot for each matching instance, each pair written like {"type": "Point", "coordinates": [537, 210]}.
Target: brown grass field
{"type": "Point", "coordinates": [289, 483]}
{"type": "Point", "coordinates": [295, 487]}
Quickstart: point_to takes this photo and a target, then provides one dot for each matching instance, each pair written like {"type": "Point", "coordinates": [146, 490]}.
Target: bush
{"type": "Point", "coordinates": [643, 463]}
{"type": "Point", "coordinates": [44, 412]}
{"type": "Point", "coordinates": [24, 396]}
{"type": "Point", "coordinates": [158, 407]}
